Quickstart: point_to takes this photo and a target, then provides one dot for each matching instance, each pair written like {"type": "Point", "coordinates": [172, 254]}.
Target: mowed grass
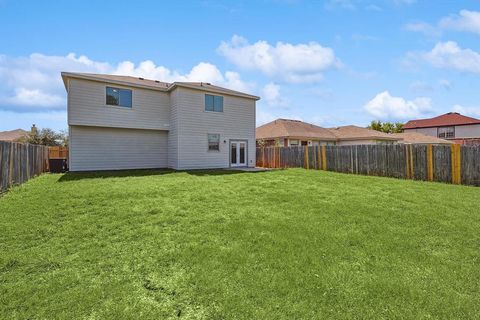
{"type": "Point", "coordinates": [287, 244]}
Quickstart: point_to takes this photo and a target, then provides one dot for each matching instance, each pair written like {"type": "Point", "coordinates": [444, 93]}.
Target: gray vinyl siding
{"type": "Point", "coordinates": [87, 106]}
{"type": "Point", "coordinates": [465, 131]}
{"type": "Point", "coordinates": [237, 121]}
{"type": "Point", "coordinates": [426, 131]}
{"type": "Point", "coordinates": [96, 148]}
{"type": "Point", "coordinates": [468, 131]}
{"type": "Point", "coordinates": [173, 132]}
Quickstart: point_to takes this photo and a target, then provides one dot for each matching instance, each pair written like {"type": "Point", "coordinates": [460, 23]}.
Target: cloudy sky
{"type": "Point", "coordinates": [330, 62]}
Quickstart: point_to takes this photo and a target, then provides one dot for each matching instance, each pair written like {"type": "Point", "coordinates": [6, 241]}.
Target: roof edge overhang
{"type": "Point", "coordinates": [207, 89]}
{"type": "Point", "coordinates": [173, 86]}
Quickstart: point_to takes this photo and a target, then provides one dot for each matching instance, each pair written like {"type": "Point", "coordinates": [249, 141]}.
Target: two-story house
{"type": "Point", "coordinates": [121, 122]}
{"type": "Point", "coordinates": [450, 126]}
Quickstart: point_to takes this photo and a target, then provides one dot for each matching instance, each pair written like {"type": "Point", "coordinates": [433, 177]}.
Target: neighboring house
{"type": "Point", "coordinates": [451, 126]}
{"type": "Point", "coordinates": [420, 138]}
{"type": "Point", "coordinates": [13, 135]}
{"type": "Point", "coordinates": [351, 135]}
{"type": "Point", "coordinates": [121, 122]}
{"type": "Point", "coordinates": [289, 133]}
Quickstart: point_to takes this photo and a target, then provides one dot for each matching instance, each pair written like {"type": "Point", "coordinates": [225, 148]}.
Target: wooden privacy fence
{"type": "Point", "coordinates": [57, 152]}
{"type": "Point", "coordinates": [20, 162]}
{"type": "Point", "coordinates": [451, 164]}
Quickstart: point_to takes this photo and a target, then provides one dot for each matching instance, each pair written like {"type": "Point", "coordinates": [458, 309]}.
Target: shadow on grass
{"type": "Point", "coordinates": [74, 176]}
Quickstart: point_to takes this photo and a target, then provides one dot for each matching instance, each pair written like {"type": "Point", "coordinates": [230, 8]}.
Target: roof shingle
{"type": "Point", "coordinates": [293, 128]}
{"type": "Point", "coordinates": [420, 138]}
{"type": "Point", "coordinates": [359, 133]}
{"type": "Point", "coordinates": [447, 119]}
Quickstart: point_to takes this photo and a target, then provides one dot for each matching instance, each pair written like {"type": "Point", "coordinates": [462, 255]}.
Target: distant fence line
{"type": "Point", "coordinates": [451, 164]}
{"type": "Point", "coordinates": [20, 162]}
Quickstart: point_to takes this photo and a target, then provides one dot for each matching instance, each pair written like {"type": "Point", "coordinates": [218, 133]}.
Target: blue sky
{"type": "Point", "coordinates": [331, 62]}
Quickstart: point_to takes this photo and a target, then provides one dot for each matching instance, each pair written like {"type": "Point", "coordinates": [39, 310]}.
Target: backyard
{"type": "Point", "coordinates": [283, 244]}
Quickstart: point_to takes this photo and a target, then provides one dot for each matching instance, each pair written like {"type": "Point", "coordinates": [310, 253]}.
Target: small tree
{"type": "Point", "coordinates": [261, 143]}
{"type": "Point", "coordinates": [387, 127]}
{"type": "Point", "coordinates": [46, 137]}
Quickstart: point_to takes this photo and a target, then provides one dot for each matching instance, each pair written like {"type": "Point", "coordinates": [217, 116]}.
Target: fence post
{"type": "Point", "coordinates": [279, 158]}
{"type": "Point", "coordinates": [324, 158]}
{"type": "Point", "coordinates": [407, 163]}
{"type": "Point", "coordinates": [456, 164]}
{"type": "Point", "coordinates": [306, 158]}
{"type": "Point", "coordinates": [459, 164]}
{"type": "Point", "coordinates": [430, 162]}
{"type": "Point", "coordinates": [412, 171]}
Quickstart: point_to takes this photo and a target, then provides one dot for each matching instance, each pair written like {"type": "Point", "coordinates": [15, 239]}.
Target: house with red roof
{"type": "Point", "coordinates": [450, 126]}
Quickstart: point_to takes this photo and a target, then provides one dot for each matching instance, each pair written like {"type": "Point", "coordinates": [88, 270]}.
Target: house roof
{"type": "Point", "coordinates": [447, 119]}
{"type": "Point", "coordinates": [13, 135]}
{"type": "Point", "coordinates": [282, 128]}
{"type": "Point", "coordinates": [359, 133]}
{"type": "Point", "coordinates": [152, 84]}
{"type": "Point", "coordinates": [420, 138]}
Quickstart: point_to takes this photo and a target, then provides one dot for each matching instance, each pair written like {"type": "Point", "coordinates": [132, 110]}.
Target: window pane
{"type": "Point", "coordinates": [233, 153]}
{"type": "Point", "coordinates": [242, 153]}
{"type": "Point", "coordinates": [446, 132]}
{"type": "Point", "coordinates": [218, 103]}
{"type": "Point", "coordinates": [209, 102]}
{"type": "Point", "coordinates": [214, 142]}
{"type": "Point", "coordinates": [125, 97]}
{"type": "Point", "coordinates": [112, 96]}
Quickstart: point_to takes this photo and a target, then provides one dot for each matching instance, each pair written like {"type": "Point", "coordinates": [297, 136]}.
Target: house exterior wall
{"type": "Point", "coordinates": [101, 148]}
{"type": "Point", "coordinates": [87, 106]}
{"type": "Point", "coordinates": [173, 132]}
{"type": "Point", "coordinates": [355, 142]}
{"type": "Point", "coordinates": [162, 129]}
{"type": "Point", "coordinates": [426, 131]}
{"type": "Point", "coordinates": [236, 122]}
{"type": "Point", "coordinates": [461, 132]}
{"type": "Point", "coordinates": [470, 131]}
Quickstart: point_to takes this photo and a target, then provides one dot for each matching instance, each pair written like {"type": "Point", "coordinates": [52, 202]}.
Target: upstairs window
{"type": "Point", "coordinates": [119, 97]}
{"type": "Point", "coordinates": [213, 103]}
{"type": "Point", "coordinates": [446, 132]}
{"type": "Point", "coordinates": [213, 142]}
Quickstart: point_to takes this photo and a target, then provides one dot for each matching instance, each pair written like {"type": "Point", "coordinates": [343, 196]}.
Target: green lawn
{"type": "Point", "coordinates": [287, 244]}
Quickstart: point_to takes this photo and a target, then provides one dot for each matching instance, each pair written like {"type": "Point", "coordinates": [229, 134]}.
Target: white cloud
{"type": "Point", "coordinates": [272, 95]}
{"type": "Point", "coordinates": [386, 107]}
{"type": "Point", "coordinates": [284, 61]}
{"type": "Point", "coordinates": [467, 111]}
{"type": "Point", "coordinates": [425, 28]}
{"type": "Point", "coordinates": [445, 84]}
{"type": "Point", "coordinates": [34, 83]}
{"type": "Point", "coordinates": [34, 98]}
{"type": "Point", "coordinates": [466, 20]}
{"type": "Point", "coordinates": [421, 87]}
{"type": "Point", "coordinates": [448, 55]}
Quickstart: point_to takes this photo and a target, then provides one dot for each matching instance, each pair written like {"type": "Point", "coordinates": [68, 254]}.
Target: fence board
{"type": "Point", "coordinates": [20, 162]}
{"type": "Point", "coordinates": [458, 164]}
